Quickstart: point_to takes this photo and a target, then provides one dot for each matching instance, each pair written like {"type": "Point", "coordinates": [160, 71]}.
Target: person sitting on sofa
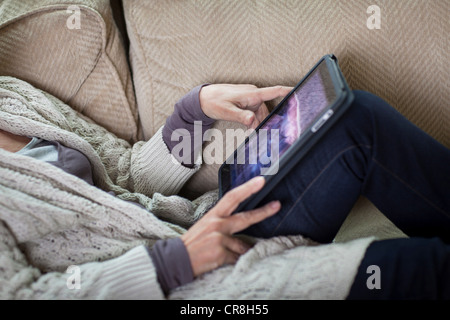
{"type": "Point", "coordinates": [372, 151]}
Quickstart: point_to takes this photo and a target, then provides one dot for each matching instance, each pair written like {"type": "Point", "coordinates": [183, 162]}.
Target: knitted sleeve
{"type": "Point", "coordinates": [187, 112]}
{"type": "Point", "coordinates": [159, 162]}
{"type": "Point", "coordinates": [154, 169]}
{"type": "Point", "coordinates": [130, 276]}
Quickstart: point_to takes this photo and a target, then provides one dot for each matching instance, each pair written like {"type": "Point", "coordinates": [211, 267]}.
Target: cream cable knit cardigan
{"type": "Point", "coordinates": [50, 220]}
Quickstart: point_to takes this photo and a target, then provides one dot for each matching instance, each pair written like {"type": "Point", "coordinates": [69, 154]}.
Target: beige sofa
{"type": "Point", "coordinates": [125, 64]}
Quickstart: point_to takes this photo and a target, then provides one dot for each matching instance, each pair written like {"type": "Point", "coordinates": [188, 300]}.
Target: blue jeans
{"type": "Point", "coordinates": [375, 152]}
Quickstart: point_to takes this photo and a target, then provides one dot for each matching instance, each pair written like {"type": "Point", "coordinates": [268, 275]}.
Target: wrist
{"type": "Point", "coordinates": [172, 263]}
{"type": "Point", "coordinates": [204, 97]}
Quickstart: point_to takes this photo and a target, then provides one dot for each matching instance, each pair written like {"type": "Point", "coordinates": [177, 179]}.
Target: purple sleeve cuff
{"type": "Point", "coordinates": [172, 263]}
{"type": "Point", "coordinates": [187, 111]}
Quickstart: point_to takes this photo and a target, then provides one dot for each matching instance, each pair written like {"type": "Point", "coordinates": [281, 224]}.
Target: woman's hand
{"type": "Point", "coordinates": [239, 103]}
{"type": "Point", "coordinates": [210, 243]}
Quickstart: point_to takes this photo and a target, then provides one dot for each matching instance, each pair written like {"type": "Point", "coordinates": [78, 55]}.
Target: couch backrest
{"type": "Point", "coordinates": [179, 44]}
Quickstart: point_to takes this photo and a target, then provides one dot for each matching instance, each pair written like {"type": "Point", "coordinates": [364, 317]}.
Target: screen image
{"type": "Point", "coordinates": [298, 113]}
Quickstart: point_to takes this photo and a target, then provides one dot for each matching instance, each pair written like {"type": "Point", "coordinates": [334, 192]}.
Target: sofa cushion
{"type": "Point", "coordinates": [176, 45]}
{"type": "Point", "coordinates": [74, 53]}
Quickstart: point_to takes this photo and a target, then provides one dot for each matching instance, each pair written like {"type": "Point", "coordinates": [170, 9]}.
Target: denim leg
{"type": "Point", "coordinates": [413, 268]}
{"type": "Point", "coordinates": [372, 151]}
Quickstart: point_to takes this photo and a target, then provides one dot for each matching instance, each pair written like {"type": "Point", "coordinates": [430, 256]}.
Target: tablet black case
{"type": "Point", "coordinates": [308, 140]}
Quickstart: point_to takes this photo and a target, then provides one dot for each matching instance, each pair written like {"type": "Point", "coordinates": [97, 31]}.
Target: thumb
{"type": "Point", "coordinates": [243, 116]}
{"type": "Point", "coordinates": [248, 118]}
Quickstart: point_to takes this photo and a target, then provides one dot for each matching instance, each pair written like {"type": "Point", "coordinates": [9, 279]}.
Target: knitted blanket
{"type": "Point", "coordinates": [50, 220]}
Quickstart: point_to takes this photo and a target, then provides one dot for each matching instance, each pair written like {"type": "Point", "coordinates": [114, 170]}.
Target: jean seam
{"type": "Point", "coordinates": [429, 202]}
{"type": "Point", "coordinates": [315, 179]}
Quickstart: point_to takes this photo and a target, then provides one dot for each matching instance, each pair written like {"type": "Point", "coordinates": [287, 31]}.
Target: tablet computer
{"type": "Point", "coordinates": [289, 132]}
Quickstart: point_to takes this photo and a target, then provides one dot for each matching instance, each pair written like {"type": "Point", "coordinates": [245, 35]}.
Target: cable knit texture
{"type": "Point", "coordinates": [50, 220]}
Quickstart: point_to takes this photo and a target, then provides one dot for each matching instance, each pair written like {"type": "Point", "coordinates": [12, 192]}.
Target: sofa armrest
{"type": "Point", "coordinates": [74, 51]}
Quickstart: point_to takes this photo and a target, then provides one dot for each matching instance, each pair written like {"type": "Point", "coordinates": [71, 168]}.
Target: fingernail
{"type": "Point", "coordinates": [249, 119]}
{"type": "Point", "coordinates": [258, 180]}
{"type": "Point", "coordinates": [275, 204]}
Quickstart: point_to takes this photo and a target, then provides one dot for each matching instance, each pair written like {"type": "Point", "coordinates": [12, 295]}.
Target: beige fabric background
{"type": "Point", "coordinates": [86, 68]}
{"type": "Point", "coordinates": [176, 45]}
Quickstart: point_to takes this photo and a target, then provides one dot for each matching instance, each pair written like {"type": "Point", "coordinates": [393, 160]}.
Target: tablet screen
{"type": "Point", "coordinates": [302, 109]}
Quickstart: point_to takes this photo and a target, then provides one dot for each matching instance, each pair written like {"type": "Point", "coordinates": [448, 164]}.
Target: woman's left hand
{"type": "Point", "coordinates": [239, 103]}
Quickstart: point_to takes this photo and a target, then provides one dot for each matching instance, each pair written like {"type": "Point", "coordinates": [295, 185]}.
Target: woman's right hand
{"type": "Point", "coordinates": [239, 102]}
{"type": "Point", "coordinates": [210, 242]}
